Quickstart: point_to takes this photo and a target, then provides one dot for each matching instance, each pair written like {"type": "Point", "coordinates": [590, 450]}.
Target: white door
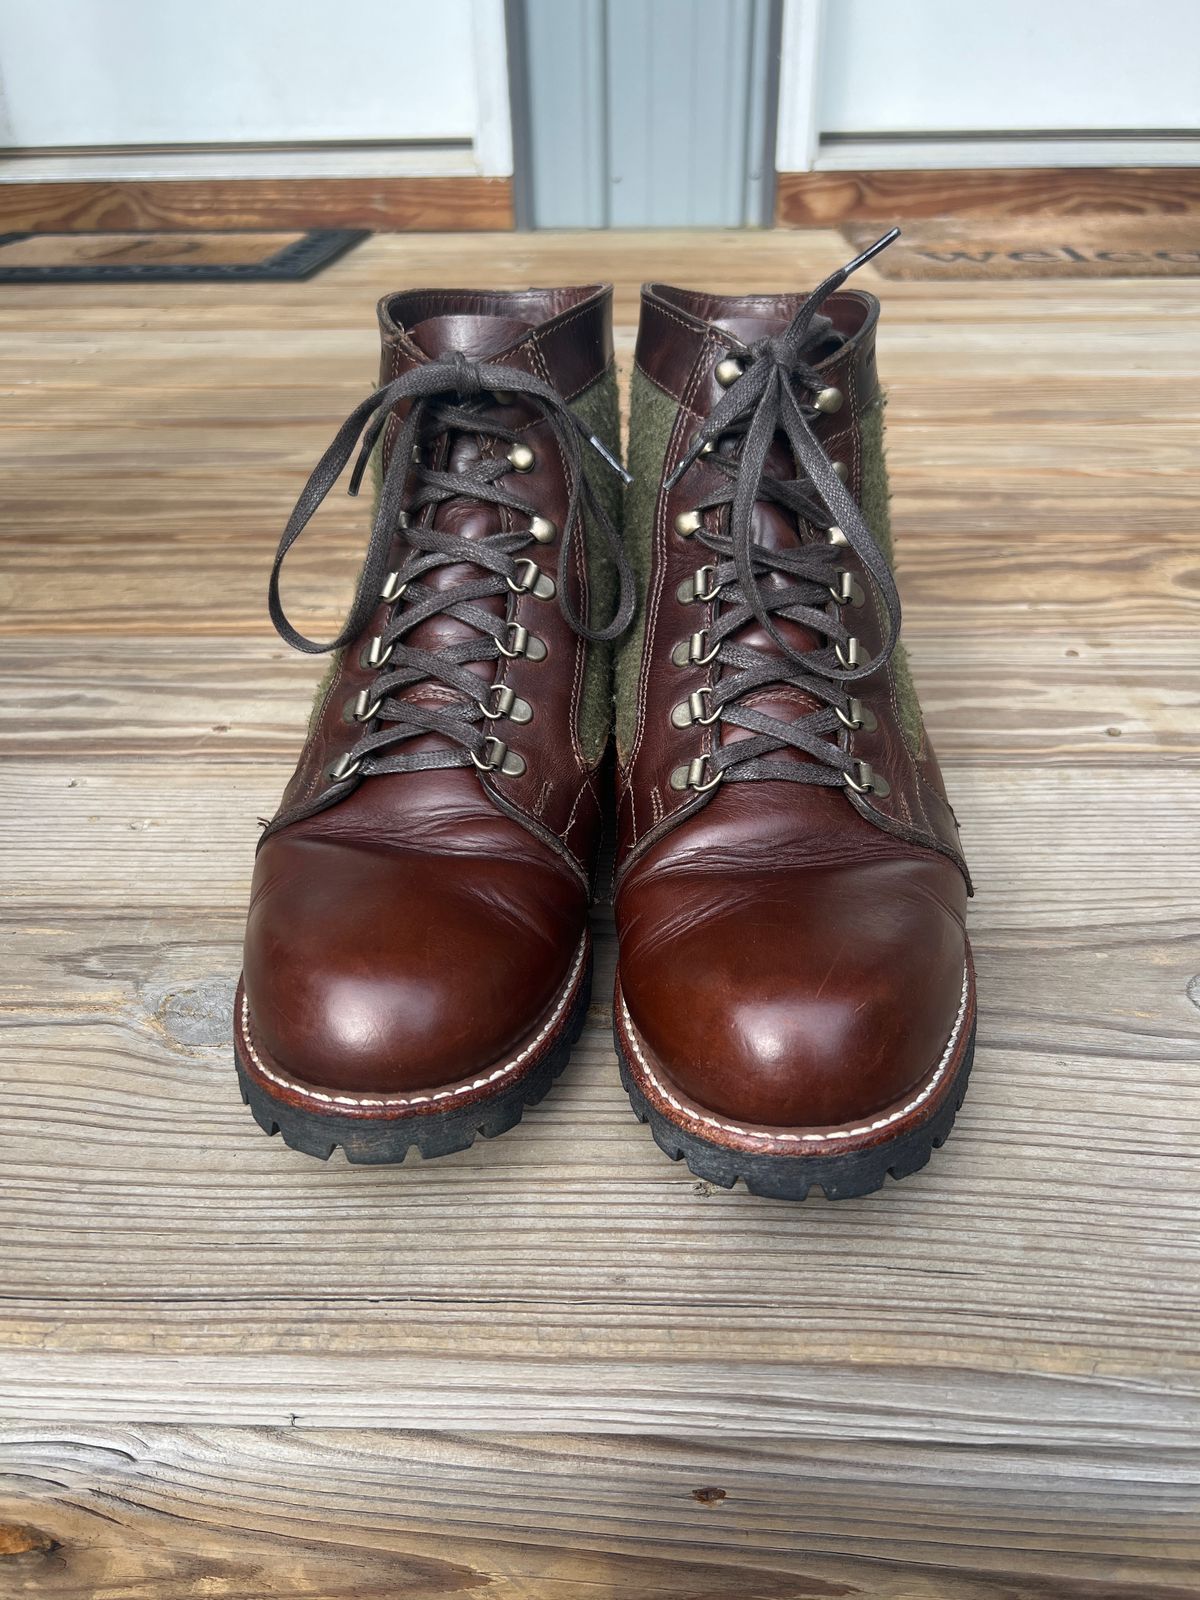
{"type": "Point", "coordinates": [384, 86]}
{"type": "Point", "coordinates": [919, 83]}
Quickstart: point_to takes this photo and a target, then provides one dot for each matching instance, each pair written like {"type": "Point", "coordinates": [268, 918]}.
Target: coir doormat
{"type": "Point", "coordinates": [1039, 247]}
{"type": "Point", "coordinates": [210, 257]}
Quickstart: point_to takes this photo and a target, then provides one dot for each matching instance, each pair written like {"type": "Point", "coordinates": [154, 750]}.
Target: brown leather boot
{"type": "Point", "coordinates": [795, 1002]}
{"type": "Point", "coordinates": [417, 962]}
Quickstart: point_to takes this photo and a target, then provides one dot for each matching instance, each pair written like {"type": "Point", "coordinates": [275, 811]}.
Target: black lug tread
{"type": "Point", "coordinates": [774, 1177]}
{"type": "Point", "coordinates": [435, 1133]}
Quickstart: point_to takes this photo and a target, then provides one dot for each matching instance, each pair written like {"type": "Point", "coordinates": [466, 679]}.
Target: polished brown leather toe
{"type": "Point", "coordinates": [392, 970]}
{"type": "Point", "coordinates": [805, 998]}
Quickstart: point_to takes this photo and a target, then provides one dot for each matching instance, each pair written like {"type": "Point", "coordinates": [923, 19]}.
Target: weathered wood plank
{"type": "Point", "coordinates": [150, 830]}
{"type": "Point", "coordinates": [992, 573]}
{"type": "Point", "coordinates": [232, 697]}
{"type": "Point", "coordinates": [395, 203]}
{"type": "Point", "coordinates": [816, 199]}
{"type": "Point", "coordinates": [247, 1512]}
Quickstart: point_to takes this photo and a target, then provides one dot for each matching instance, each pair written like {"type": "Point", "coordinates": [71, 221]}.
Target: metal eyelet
{"type": "Point", "coordinates": [869, 781]}
{"type": "Point", "coordinates": [502, 701]}
{"type": "Point", "coordinates": [343, 768]}
{"type": "Point", "coordinates": [522, 643]}
{"type": "Point", "coordinates": [841, 471]}
{"type": "Point", "coordinates": [542, 529]}
{"type": "Point", "coordinates": [852, 656]}
{"type": "Point", "coordinates": [376, 655]}
{"type": "Point", "coordinates": [362, 708]}
{"type": "Point", "coordinates": [829, 400]}
{"type": "Point", "coordinates": [728, 371]}
{"type": "Point", "coordinates": [499, 758]}
{"type": "Point", "coordinates": [859, 717]}
{"type": "Point", "coordinates": [691, 711]}
{"type": "Point", "coordinates": [696, 588]}
{"type": "Point", "coordinates": [687, 523]}
{"type": "Point", "coordinates": [847, 591]}
{"type": "Point", "coordinates": [393, 588]}
{"type": "Point", "coordinates": [692, 776]}
{"type": "Point", "coordinates": [691, 652]}
{"type": "Point", "coordinates": [532, 580]}
{"type": "Point", "coordinates": [521, 458]}
{"type": "Point", "coordinates": [835, 535]}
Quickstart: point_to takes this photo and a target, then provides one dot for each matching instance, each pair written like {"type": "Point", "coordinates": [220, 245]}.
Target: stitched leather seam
{"type": "Point", "coordinates": [557, 327]}
{"type": "Point", "coordinates": [690, 328]}
{"type": "Point", "coordinates": [857, 412]}
{"type": "Point", "coordinates": [315, 775]}
{"type": "Point", "coordinates": [390, 1102]}
{"type": "Point", "coordinates": [587, 784]}
{"type": "Point", "coordinates": [659, 556]}
{"type": "Point", "coordinates": [581, 568]}
{"type": "Point", "coordinates": [403, 345]}
{"type": "Point", "coordinates": [808, 1138]}
{"type": "Point", "coordinates": [660, 386]}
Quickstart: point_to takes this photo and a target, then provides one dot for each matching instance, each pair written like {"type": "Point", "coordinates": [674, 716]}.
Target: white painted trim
{"type": "Point", "coordinates": [868, 155]}
{"type": "Point", "coordinates": [493, 125]}
{"type": "Point", "coordinates": [419, 161]}
{"type": "Point", "coordinates": [800, 55]}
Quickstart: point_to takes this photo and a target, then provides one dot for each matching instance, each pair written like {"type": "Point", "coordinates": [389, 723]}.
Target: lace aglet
{"type": "Point", "coordinates": [606, 454]}
{"type": "Point", "coordinates": [872, 250]}
{"type": "Point", "coordinates": [692, 453]}
{"type": "Point", "coordinates": [360, 467]}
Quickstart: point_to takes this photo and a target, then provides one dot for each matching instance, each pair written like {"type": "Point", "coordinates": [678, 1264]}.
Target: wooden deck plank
{"type": "Point", "coordinates": [247, 697]}
{"type": "Point", "coordinates": [294, 1511]}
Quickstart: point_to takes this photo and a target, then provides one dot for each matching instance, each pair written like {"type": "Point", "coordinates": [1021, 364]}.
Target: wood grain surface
{"type": "Point", "coordinates": [982, 1384]}
{"type": "Point", "coordinates": [819, 199]}
{"type": "Point", "coordinates": [393, 203]}
{"type": "Point", "coordinates": [239, 1513]}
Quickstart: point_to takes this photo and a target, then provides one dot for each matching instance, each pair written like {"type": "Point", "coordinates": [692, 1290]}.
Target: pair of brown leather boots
{"type": "Point", "coordinates": [795, 1000]}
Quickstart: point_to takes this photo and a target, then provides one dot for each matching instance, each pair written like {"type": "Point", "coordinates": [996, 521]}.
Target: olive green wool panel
{"type": "Point", "coordinates": [877, 512]}
{"type": "Point", "coordinates": [651, 421]}
{"type": "Point", "coordinates": [876, 496]}
{"type": "Point", "coordinates": [599, 411]}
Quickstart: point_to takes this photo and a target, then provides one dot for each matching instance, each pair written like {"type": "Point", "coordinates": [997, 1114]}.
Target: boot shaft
{"type": "Point", "coordinates": [545, 691]}
{"type": "Point", "coordinates": [692, 349]}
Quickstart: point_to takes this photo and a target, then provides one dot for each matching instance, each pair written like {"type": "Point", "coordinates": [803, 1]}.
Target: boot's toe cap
{"type": "Point", "coordinates": [369, 969]}
{"type": "Point", "coordinates": [806, 998]}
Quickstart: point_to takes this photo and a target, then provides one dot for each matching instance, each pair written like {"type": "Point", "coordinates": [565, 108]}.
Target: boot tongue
{"type": "Point", "coordinates": [479, 337]}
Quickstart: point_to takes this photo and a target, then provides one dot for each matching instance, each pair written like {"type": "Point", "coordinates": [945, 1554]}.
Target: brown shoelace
{"type": "Point", "coordinates": [444, 400]}
{"type": "Point", "coordinates": [753, 584]}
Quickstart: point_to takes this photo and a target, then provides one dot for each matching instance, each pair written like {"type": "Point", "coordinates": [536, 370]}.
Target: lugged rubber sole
{"type": "Point", "coordinates": [845, 1176]}
{"type": "Point", "coordinates": [387, 1140]}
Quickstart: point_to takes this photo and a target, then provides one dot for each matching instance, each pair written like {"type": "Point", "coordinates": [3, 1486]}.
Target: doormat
{"type": "Point", "coordinates": [1038, 247]}
{"type": "Point", "coordinates": [170, 257]}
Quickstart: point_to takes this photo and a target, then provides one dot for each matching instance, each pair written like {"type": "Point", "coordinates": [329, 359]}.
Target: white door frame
{"type": "Point", "coordinates": [800, 147]}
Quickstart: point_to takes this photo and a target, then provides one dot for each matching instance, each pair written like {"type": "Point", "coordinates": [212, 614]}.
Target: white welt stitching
{"type": "Point", "coordinates": [392, 1101]}
{"type": "Point", "coordinates": [805, 1138]}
